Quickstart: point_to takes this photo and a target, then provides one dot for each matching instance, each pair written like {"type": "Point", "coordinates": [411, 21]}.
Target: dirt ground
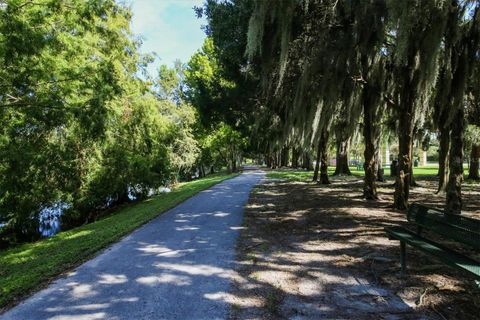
{"type": "Point", "coordinates": [309, 251]}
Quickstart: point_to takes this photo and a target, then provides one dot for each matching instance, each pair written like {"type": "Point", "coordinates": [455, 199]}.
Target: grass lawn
{"type": "Point", "coordinates": [300, 175]}
{"type": "Point", "coordinates": [30, 266]}
{"type": "Point", "coordinates": [430, 171]}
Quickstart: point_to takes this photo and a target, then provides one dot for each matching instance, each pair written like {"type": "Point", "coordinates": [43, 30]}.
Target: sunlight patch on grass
{"type": "Point", "coordinates": [78, 234]}
{"type": "Point", "coordinates": [305, 176]}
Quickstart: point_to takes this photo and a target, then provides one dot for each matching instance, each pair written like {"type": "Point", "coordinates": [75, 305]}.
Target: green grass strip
{"type": "Point", "coordinates": [30, 266]}
{"type": "Point", "coordinates": [301, 175]}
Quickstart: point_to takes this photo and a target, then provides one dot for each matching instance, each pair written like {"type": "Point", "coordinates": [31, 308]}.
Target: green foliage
{"type": "Point", "coordinates": [222, 147]}
{"type": "Point", "coordinates": [134, 158]}
{"type": "Point", "coordinates": [206, 86]}
{"type": "Point", "coordinates": [216, 90]}
{"type": "Point", "coordinates": [183, 147]}
{"type": "Point", "coordinates": [62, 65]}
{"type": "Point", "coordinates": [472, 136]}
{"type": "Point", "coordinates": [219, 82]}
{"type": "Point", "coordinates": [77, 124]}
{"type": "Point", "coordinates": [169, 83]}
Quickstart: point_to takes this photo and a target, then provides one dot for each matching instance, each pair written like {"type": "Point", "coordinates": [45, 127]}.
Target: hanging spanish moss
{"type": "Point", "coordinates": [337, 65]}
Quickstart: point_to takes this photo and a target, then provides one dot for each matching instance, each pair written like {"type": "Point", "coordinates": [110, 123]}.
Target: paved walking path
{"type": "Point", "coordinates": [178, 266]}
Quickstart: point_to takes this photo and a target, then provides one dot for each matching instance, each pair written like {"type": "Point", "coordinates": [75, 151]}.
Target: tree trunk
{"type": "Point", "coordinates": [307, 163]}
{"type": "Point", "coordinates": [455, 163]}
{"type": "Point", "coordinates": [406, 122]}
{"type": "Point", "coordinates": [380, 174]}
{"type": "Point", "coordinates": [370, 167]}
{"type": "Point", "coordinates": [324, 169]}
{"type": "Point", "coordinates": [474, 162]}
{"type": "Point", "coordinates": [295, 156]}
{"type": "Point", "coordinates": [233, 163]}
{"type": "Point", "coordinates": [405, 139]}
{"type": "Point", "coordinates": [369, 136]}
{"type": "Point", "coordinates": [323, 149]}
{"type": "Point", "coordinates": [317, 164]}
{"type": "Point", "coordinates": [274, 160]}
{"type": "Point", "coordinates": [341, 167]}
{"type": "Point", "coordinates": [443, 158]}
{"type": "Point", "coordinates": [284, 157]}
{"type": "Point", "coordinates": [413, 182]}
{"type": "Point", "coordinates": [463, 61]}
{"type": "Point", "coordinates": [373, 109]}
{"type": "Point", "coordinates": [378, 161]}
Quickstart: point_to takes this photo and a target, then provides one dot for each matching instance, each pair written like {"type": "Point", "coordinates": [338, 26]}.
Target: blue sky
{"type": "Point", "coordinates": [169, 28]}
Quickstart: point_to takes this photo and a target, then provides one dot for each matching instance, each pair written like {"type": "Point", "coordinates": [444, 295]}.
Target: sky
{"type": "Point", "coordinates": [169, 28]}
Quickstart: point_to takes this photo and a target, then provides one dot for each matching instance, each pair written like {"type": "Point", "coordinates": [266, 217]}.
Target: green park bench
{"type": "Point", "coordinates": [463, 230]}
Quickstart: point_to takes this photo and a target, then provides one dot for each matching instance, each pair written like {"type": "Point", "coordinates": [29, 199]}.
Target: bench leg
{"type": "Point", "coordinates": [403, 261]}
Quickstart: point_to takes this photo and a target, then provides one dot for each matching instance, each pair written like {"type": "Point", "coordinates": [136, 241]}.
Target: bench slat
{"type": "Point", "coordinates": [444, 254]}
{"type": "Point", "coordinates": [462, 229]}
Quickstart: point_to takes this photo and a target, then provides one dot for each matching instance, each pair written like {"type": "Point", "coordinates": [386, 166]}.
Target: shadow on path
{"type": "Point", "coordinates": [178, 266]}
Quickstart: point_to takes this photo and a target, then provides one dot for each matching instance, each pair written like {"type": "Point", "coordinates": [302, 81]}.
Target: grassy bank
{"type": "Point", "coordinates": [28, 267]}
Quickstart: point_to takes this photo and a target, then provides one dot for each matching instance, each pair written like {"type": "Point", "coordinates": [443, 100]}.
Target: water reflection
{"type": "Point", "coordinates": [134, 191]}
{"type": "Point", "coordinates": [50, 216]}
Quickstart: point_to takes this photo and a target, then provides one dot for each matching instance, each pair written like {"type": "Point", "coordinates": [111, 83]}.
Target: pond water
{"type": "Point", "coordinates": [50, 217]}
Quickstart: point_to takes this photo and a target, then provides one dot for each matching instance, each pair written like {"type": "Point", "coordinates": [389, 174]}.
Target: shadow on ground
{"type": "Point", "coordinates": [310, 252]}
{"type": "Point", "coordinates": [178, 266]}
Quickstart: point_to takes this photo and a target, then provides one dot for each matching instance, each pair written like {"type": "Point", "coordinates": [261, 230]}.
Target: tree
{"type": "Point", "coordinates": [472, 134]}
{"type": "Point", "coordinates": [472, 142]}
{"type": "Point", "coordinates": [370, 29]}
{"type": "Point", "coordinates": [225, 145]}
{"type": "Point", "coordinates": [62, 65]}
{"type": "Point", "coordinates": [465, 47]}
{"type": "Point", "coordinates": [322, 59]}
{"type": "Point", "coordinates": [414, 73]}
{"type": "Point", "coordinates": [80, 131]}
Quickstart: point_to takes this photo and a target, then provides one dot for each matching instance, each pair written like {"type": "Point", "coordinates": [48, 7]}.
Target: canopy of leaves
{"type": "Point", "coordinates": [77, 125]}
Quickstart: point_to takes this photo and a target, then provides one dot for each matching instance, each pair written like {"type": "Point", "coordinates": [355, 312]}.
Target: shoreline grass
{"type": "Point", "coordinates": [29, 267]}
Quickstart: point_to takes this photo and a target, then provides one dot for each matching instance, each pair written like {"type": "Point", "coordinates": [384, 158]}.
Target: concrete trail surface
{"type": "Point", "coordinates": [178, 266]}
